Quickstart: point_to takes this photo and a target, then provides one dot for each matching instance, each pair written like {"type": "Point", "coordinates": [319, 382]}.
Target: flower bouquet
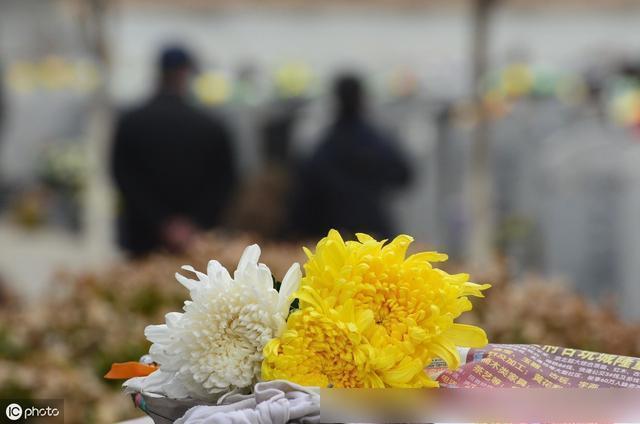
{"type": "Point", "coordinates": [251, 349]}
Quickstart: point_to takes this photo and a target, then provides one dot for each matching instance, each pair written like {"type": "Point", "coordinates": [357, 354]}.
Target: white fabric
{"type": "Point", "coordinates": [273, 402]}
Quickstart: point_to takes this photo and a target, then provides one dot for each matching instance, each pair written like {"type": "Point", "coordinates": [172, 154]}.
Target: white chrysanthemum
{"type": "Point", "coordinates": [216, 344]}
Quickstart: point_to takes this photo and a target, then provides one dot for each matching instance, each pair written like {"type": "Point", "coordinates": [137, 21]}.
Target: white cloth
{"type": "Point", "coordinates": [272, 402]}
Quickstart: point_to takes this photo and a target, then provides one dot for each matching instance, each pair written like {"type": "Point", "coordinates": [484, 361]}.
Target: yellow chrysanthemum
{"type": "Point", "coordinates": [413, 302]}
{"type": "Point", "coordinates": [370, 317]}
{"type": "Point", "coordinates": [338, 347]}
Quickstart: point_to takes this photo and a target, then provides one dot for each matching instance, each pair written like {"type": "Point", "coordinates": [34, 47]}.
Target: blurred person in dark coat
{"type": "Point", "coordinates": [2, 103]}
{"type": "Point", "coordinates": [172, 162]}
{"type": "Point", "coordinates": [344, 183]}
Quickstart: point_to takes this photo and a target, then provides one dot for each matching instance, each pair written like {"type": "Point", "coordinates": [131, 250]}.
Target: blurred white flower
{"type": "Point", "coordinates": [216, 344]}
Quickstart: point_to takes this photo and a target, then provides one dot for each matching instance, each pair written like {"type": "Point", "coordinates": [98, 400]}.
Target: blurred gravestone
{"type": "Point", "coordinates": [515, 149]}
{"type": "Point", "coordinates": [584, 188]}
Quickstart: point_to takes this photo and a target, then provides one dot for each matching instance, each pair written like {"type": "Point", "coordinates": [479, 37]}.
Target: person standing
{"type": "Point", "coordinates": [173, 164]}
{"type": "Point", "coordinates": [344, 183]}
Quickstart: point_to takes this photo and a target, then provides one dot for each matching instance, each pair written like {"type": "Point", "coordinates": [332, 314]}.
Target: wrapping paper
{"type": "Point", "coordinates": [514, 365]}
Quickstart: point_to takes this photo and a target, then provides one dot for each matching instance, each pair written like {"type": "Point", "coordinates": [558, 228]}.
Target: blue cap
{"type": "Point", "coordinates": [175, 57]}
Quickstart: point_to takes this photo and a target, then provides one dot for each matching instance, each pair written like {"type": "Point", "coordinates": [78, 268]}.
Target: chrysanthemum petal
{"type": "Point", "coordinates": [403, 373]}
{"type": "Point", "coordinates": [363, 238]}
{"type": "Point", "coordinates": [290, 284]}
{"type": "Point", "coordinates": [473, 289]}
{"type": "Point", "coordinates": [467, 335]}
{"type": "Point", "coordinates": [187, 282]}
{"type": "Point", "coordinates": [157, 333]}
{"type": "Point", "coordinates": [428, 257]}
{"type": "Point", "coordinates": [446, 350]}
{"type": "Point", "coordinates": [201, 276]}
{"type": "Point", "coordinates": [307, 295]}
{"type": "Point", "coordinates": [249, 257]}
{"type": "Point", "coordinates": [217, 272]}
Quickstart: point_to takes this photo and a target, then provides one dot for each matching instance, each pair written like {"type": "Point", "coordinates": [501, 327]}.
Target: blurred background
{"type": "Point", "coordinates": [137, 136]}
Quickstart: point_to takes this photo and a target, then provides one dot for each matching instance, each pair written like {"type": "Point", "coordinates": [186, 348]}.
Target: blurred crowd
{"type": "Point", "coordinates": [562, 161]}
{"type": "Point", "coordinates": [175, 166]}
{"type": "Point", "coordinates": [285, 150]}
{"type": "Point", "coordinates": [203, 151]}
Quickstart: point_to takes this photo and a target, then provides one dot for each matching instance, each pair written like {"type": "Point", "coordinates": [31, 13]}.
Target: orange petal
{"type": "Point", "coordinates": [124, 370]}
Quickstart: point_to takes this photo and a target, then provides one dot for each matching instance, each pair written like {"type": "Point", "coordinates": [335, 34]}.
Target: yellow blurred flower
{"type": "Point", "coordinates": [371, 317]}
{"type": "Point", "coordinates": [212, 88]}
{"type": "Point", "coordinates": [517, 80]}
